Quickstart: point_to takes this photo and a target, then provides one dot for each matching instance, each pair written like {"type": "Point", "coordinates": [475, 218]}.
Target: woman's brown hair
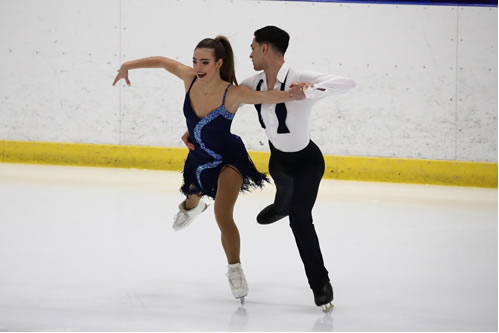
{"type": "Point", "coordinates": [223, 50]}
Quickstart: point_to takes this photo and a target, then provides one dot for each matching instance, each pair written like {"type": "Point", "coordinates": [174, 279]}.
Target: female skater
{"type": "Point", "coordinates": [220, 166]}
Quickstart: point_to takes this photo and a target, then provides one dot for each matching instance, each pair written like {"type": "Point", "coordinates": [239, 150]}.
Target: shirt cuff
{"type": "Point", "coordinates": [314, 92]}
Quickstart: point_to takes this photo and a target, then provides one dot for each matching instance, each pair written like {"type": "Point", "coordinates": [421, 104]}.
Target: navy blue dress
{"type": "Point", "coordinates": [215, 148]}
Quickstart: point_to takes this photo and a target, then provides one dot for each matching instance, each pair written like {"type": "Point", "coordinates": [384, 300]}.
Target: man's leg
{"type": "Point", "coordinates": [306, 182]}
{"type": "Point", "coordinates": [284, 192]}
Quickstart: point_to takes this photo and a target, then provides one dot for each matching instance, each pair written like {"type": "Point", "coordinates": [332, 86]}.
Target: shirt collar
{"type": "Point", "coordinates": [281, 75]}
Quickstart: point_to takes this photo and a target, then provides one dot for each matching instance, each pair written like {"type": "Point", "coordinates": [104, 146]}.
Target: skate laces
{"type": "Point", "coordinates": [184, 217]}
{"type": "Point", "coordinates": [180, 219]}
{"type": "Point", "coordinates": [236, 276]}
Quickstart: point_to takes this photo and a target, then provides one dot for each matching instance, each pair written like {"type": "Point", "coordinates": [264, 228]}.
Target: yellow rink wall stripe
{"type": "Point", "coordinates": [398, 170]}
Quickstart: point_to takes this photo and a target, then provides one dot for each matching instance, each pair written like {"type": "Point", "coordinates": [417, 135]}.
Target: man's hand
{"type": "Point", "coordinates": [187, 140]}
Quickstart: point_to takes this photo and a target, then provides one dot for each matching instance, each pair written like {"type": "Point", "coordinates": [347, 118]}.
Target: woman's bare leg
{"type": "Point", "coordinates": [229, 185]}
{"type": "Point", "coordinates": [191, 201]}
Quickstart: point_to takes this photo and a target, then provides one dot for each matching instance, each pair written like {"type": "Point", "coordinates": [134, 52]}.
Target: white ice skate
{"type": "Point", "coordinates": [237, 281]}
{"type": "Point", "coordinates": [185, 216]}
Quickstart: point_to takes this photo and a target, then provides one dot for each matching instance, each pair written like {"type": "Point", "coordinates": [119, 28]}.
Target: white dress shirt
{"type": "Point", "coordinates": [298, 118]}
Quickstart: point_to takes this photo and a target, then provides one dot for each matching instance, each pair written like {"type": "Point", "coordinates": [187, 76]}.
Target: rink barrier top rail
{"type": "Point", "coordinates": [395, 170]}
{"type": "Point", "coordinates": [466, 3]}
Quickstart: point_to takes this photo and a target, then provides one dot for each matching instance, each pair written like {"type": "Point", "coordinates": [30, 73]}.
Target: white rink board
{"type": "Point", "coordinates": [476, 115]}
{"type": "Point", "coordinates": [412, 100]}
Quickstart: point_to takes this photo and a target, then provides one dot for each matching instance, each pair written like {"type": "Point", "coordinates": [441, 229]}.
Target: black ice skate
{"type": "Point", "coordinates": [323, 297]}
{"type": "Point", "coordinates": [269, 215]}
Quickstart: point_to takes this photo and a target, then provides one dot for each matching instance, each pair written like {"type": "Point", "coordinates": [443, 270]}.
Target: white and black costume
{"type": "Point", "coordinates": [296, 163]}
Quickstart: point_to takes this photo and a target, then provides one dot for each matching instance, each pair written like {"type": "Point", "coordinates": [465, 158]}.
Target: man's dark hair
{"type": "Point", "coordinates": [277, 38]}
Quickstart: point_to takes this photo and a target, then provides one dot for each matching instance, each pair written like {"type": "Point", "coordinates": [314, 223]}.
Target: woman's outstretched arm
{"type": "Point", "coordinates": [178, 69]}
{"type": "Point", "coordinates": [245, 95]}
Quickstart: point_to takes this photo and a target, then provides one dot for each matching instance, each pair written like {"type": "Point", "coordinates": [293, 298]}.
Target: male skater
{"type": "Point", "coordinates": [296, 163]}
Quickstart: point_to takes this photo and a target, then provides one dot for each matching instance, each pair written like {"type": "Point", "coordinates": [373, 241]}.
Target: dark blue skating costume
{"type": "Point", "coordinates": [215, 148]}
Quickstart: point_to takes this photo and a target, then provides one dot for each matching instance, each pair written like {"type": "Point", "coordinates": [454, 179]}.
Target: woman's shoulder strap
{"type": "Point", "coordinates": [225, 93]}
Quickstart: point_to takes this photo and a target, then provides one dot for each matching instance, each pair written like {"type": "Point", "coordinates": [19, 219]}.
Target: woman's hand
{"type": "Point", "coordinates": [296, 90]}
{"type": "Point", "coordinates": [304, 85]}
{"type": "Point", "coordinates": [122, 74]}
{"type": "Point", "coordinates": [187, 140]}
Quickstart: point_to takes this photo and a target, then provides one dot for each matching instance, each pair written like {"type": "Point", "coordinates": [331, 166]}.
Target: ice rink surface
{"type": "Point", "coordinates": [89, 249]}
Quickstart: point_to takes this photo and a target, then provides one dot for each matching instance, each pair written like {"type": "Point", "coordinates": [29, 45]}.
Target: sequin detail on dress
{"type": "Point", "coordinates": [215, 147]}
{"type": "Point", "coordinates": [220, 111]}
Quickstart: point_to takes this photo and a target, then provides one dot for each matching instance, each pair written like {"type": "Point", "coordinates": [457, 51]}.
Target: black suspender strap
{"type": "Point", "coordinates": [280, 111]}
{"type": "Point", "coordinates": [259, 106]}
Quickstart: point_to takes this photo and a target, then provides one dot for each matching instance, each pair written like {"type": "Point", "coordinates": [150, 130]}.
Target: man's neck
{"type": "Point", "coordinates": [271, 71]}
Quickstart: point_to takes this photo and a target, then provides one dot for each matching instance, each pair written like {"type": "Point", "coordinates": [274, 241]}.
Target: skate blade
{"type": "Point", "coordinates": [242, 300]}
{"type": "Point", "coordinates": [327, 307]}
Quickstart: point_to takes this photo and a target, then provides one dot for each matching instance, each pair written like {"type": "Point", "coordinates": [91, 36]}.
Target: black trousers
{"type": "Point", "coordinates": [297, 176]}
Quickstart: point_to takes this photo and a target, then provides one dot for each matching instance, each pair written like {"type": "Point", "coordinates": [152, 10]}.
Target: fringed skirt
{"type": "Point", "coordinates": [201, 172]}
